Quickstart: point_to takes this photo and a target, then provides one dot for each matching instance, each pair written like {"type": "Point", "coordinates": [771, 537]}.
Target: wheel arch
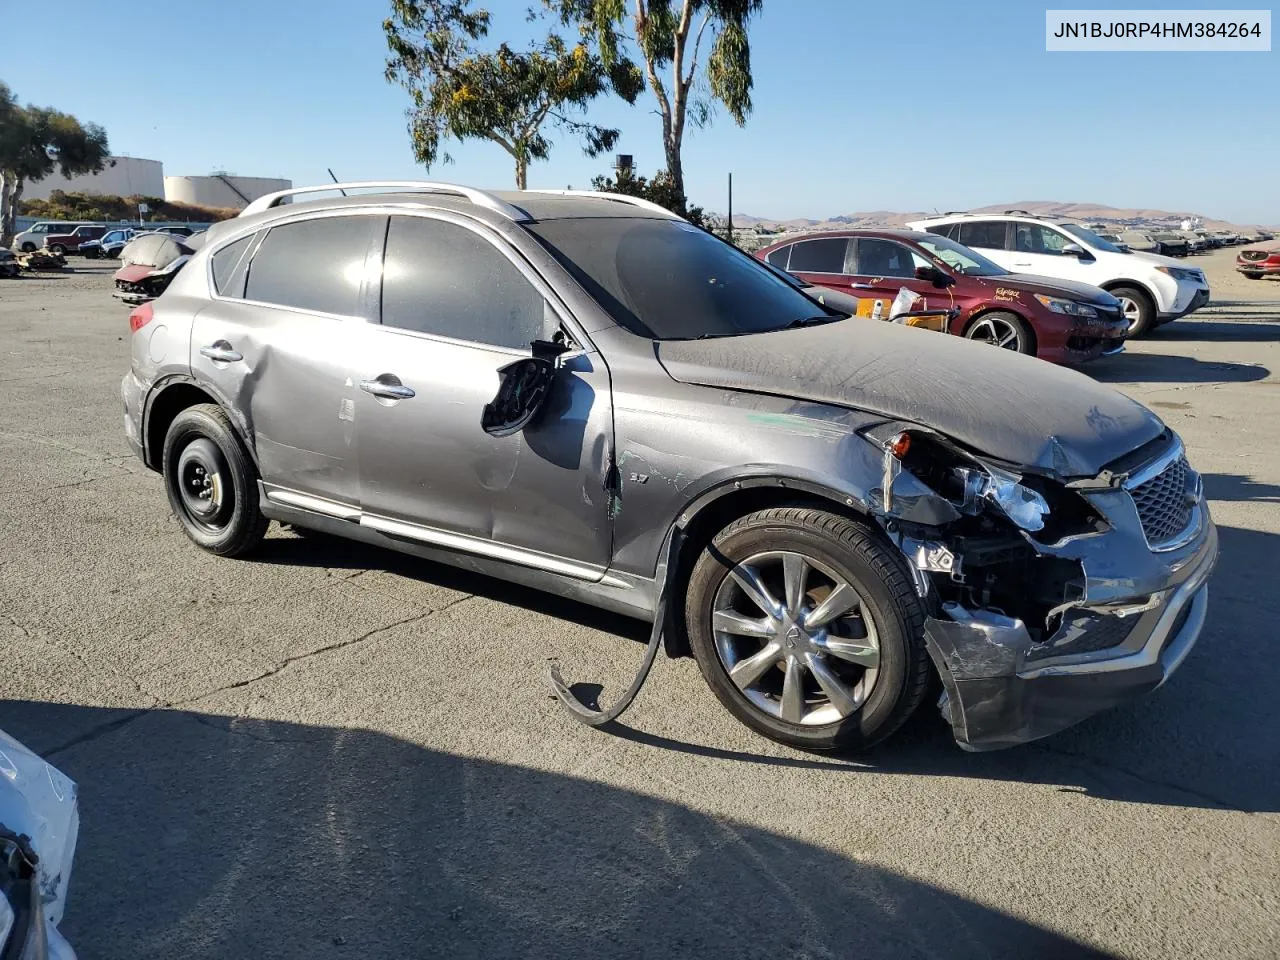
{"type": "Point", "coordinates": [1004, 308]}
{"type": "Point", "coordinates": [714, 509]}
{"type": "Point", "coordinates": [1138, 284]}
{"type": "Point", "coordinates": [169, 398]}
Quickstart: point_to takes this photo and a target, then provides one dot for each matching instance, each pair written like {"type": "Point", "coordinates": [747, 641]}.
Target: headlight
{"type": "Point", "coordinates": [1069, 307]}
{"type": "Point", "coordinates": [1182, 273]}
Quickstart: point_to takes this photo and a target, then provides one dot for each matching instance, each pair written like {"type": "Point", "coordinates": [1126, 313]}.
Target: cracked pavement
{"type": "Point", "coordinates": [328, 750]}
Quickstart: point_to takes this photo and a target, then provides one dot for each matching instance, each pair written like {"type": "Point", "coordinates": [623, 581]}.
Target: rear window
{"type": "Point", "coordinates": [667, 280]}
{"type": "Point", "coordinates": [985, 234]}
{"type": "Point", "coordinates": [226, 264]}
{"type": "Point", "coordinates": [818, 256]}
{"type": "Point", "coordinates": [314, 264]}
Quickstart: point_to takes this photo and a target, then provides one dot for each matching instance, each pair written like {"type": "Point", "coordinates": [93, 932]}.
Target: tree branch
{"type": "Point", "coordinates": [697, 43]}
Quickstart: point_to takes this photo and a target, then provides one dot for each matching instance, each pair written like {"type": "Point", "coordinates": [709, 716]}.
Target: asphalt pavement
{"type": "Point", "coordinates": [329, 750]}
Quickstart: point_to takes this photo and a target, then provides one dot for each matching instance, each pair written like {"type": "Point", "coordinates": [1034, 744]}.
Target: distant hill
{"type": "Point", "coordinates": [1086, 212]}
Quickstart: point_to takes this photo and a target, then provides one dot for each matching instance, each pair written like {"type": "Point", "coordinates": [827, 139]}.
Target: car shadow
{"type": "Point", "coordinates": [1235, 486]}
{"type": "Point", "coordinates": [1237, 328]}
{"type": "Point", "coordinates": [208, 836]}
{"type": "Point", "coordinates": [335, 553]}
{"type": "Point", "coordinates": [1159, 368]}
{"type": "Point", "coordinates": [1220, 699]}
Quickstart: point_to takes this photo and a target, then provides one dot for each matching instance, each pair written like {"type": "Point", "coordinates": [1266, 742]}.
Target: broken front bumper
{"type": "Point", "coordinates": [1002, 690]}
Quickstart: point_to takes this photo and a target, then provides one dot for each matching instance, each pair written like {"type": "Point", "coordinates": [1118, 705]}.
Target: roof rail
{"type": "Point", "coordinates": [617, 197]}
{"type": "Point", "coordinates": [1025, 213]}
{"type": "Point", "coordinates": [479, 197]}
{"type": "Point", "coordinates": [948, 213]}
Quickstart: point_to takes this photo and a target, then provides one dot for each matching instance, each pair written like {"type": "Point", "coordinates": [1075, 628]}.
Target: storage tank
{"type": "Point", "coordinates": [122, 177]}
{"type": "Point", "coordinates": [218, 190]}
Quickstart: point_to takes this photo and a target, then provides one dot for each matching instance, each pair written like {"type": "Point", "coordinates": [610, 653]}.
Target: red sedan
{"type": "Point", "coordinates": [1259, 260]}
{"type": "Point", "coordinates": [1062, 321]}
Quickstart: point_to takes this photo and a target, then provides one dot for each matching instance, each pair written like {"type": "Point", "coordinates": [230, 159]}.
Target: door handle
{"type": "Point", "coordinates": [388, 391]}
{"type": "Point", "coordinates": [221, 352]}
{"type": "Point", "coordinates": [861, 286]}
{"type": "Point", "coordinates": [1024, 263]}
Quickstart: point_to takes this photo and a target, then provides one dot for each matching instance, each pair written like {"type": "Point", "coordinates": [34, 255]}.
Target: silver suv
{"type": "Point", "coordinates": [586, 394]}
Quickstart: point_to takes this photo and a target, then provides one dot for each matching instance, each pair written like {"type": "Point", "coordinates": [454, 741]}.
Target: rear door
{"type": "Point", "coordinates": [989, 237]}
{"type": "Point", "coordinates": [458, 305]}
{"type": "Point", "coordinates": [277, 340]}
{"type": "Point", "coordinates": [823, 261]}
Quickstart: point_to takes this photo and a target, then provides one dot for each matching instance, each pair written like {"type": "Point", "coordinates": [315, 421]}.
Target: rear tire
{"type": "Point", "coordinates": [28, 247]}
{"type": "Point", "coordinates": [1253, 276]}
{"type": "Point", "coordinates": [212, 483]}
{"type": "Point", "coordinates": [883, 672]}
{"type": "Point", "coordinates": [1137, 308]}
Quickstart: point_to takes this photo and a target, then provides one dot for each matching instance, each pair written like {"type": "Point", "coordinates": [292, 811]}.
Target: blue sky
{"type": "Point", "coordinates": [858, 106]}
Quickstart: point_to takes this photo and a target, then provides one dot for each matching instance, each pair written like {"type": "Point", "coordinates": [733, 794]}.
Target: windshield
{"type": "Point", "coordinates": [668, 280]}
{"type": "Point", "coordinates": [1089, 237]}
{"type": "Point", "coordinates": [961, 258]}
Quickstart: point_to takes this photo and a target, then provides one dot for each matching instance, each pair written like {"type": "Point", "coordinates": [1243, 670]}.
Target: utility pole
{"type": "Point", "coordinates": [730, 225]}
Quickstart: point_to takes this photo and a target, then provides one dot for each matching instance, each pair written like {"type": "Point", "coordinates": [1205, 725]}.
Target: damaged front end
{"type": "Point", "coordinates": [39, 822]}
{"type": "Point", "coordinates": [1052, 598]}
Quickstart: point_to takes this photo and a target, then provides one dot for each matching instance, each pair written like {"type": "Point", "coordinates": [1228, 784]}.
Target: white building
{"type": "Point", "coordinates": [122, 176]}
{"type": "Point", "coordinates": [221, 191]}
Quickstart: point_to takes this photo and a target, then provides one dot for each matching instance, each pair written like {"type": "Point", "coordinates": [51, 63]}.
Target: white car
{"type": "Point", "coordinates": [34, 238]}
{"type": "Point", "coordinates": [39, 823]}
{"type": "Point", "coordinates": [1152, 288]}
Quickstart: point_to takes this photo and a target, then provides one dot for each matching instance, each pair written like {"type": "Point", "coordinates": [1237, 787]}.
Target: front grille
{"type": "Point", "coordinates": [1163, 505]}
{"type": "Point", "coordinates": [1254, 254]}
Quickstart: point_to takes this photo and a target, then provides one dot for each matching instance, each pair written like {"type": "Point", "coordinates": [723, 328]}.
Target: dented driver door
{"type": "Point", "coordinates": [456, 308]}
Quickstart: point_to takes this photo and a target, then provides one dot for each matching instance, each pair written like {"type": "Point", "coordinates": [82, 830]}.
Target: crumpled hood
{"type": "Point", "coordinates": [39, 801]}
{"type": "Point", "coordinates": [1006, 405]}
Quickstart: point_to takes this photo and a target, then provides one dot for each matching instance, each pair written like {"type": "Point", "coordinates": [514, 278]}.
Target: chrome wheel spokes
{"type": "Point", "coordinates": [811, 658]}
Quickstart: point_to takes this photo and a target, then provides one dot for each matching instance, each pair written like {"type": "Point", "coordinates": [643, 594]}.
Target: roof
{"type": "Point", "coordinates": [516, 206]}
{"type": "Point", "coordinates": [888, 233]}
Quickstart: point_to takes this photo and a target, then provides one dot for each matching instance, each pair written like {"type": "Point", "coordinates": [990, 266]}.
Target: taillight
{"type": "Point", "coordinates": [140, 317]}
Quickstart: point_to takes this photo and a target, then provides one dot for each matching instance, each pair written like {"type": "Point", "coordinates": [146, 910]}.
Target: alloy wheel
{"type": "Point", "coordinates": [796, 638]}
{"type": "Point", "coordinates": [996, 331]}
{"type": "Point", "coordinates": [1132, 311]}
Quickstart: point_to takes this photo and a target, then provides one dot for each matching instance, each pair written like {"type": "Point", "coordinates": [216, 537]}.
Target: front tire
{"type": "Point", "coordinates": [1002, 329]}
{"type": "Point", "coordinates": [211, 482]}
{"type": "Point", "coordinates": [808, 629]}
{"type": "Point", "coordinates": [57, 249]}
{"type": "Point", "coordinates": [1137, 309]}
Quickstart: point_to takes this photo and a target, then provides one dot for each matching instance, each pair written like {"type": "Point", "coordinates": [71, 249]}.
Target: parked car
{"type": "Point", "coordinates": [149, 262]}
{"type": "Point", "coordinates": [1171, 243]}
{"type": "Point", "coordinates": [1195, 242]}
{"type": "Point", "coordinates": [1137, 240]}
{"type": "Point", "coordinates": [64, 243]}
{"type": "Point", "coordinates": [562, 388]}
{"type": "Point", "coordinates": [109, 244]}
{"type": "Point", "coordinates": [1056, 320]}
{"type": "Point", "coordinates": [9, 266]}
{"type": "Point", "coordinates": [39, 824]}
{"type": "Point", "coordinates": [33, 238]}
{"type": "Point", "coordinates": [1152, 289]}
{"type": "Point", "coordinates": [1259, 260]}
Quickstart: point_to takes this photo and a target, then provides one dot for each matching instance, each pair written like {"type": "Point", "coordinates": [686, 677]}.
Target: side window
{"type": "Point", "coordinates": [1036, 238]}
{"type": "Point", "coordinates": [983, 234]}
{"type": "Point", "coordinates": [443, 279]}
{"type": "Point", "coordinates": [945, 230]}
{"type": "Point", "coordinates": [884, 258]}
{"type": "Point", "coordinates": [818, 256]}
{"type": "Point", "coordinates": [779, 257]}
{"type": "Point", "coordinates": [227, 264]}
{"type": "Point", "coordinates": [313, 264]}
